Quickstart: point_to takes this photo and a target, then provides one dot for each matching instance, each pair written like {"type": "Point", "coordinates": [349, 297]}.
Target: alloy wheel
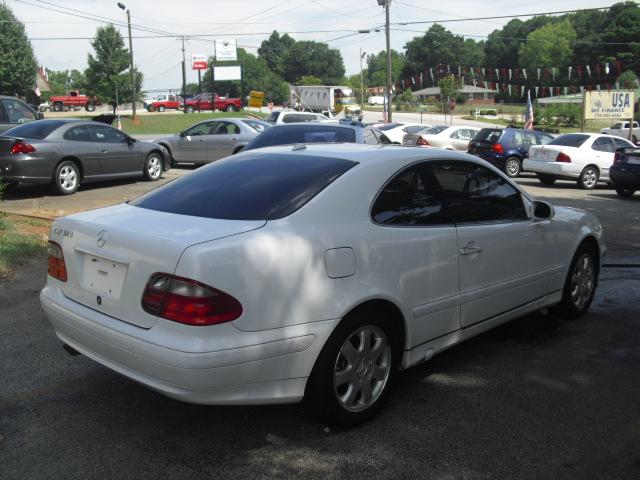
{"type": "Point", "coordinates": [512, 167]}
{"type": "Point", "coordinates": [589, 178]}
{"type": "Point", "coordinates": [154, 168]}
{"type": "Point", "coordinates": [583, 281]}
{"type": "Point", "coordinates": [68, 178]}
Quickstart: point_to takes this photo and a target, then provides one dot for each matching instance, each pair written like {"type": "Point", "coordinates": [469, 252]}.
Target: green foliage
{"type": "Point", "coordinates": [313, 58]}
{"type": "Point", "coordinates": [106, 72]}
{"type": "Point", "coordinates": [274, 51]}
{"type": "Point", "coordinates": [550, 45]}
{"type": "Point", "coordinates": [629, 79]}
{"type": "Point", "coordinates": [563, 114]}
{"type": "Point", "coordinates": [376, 72]}
{"type": "Point", "coordinates": [18, 65]}
{"type": "Point", "coordinates": [502, 45]}
{"type": "Point", "coordinates": [17, 248]}
{"type": "Point", "coordinates": [64, 81]}
{"type": "Point", "coordinates": [256, 76]}
{"type": "Point", "coordinates": [449, 86]}
{"type": "Point", "coordinates": [309, 80]}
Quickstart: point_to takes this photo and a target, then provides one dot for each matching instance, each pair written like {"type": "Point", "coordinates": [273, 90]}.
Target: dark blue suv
{"type": "Point", "coordinates": [506, 148]}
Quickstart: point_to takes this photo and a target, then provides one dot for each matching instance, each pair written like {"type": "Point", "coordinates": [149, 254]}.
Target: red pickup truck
{"type": "Point", "coordinates": [73, 100]}
{"type": "Point", "coordinates": [203, 101]}
{"type": "Point", "coordinates": [163, 102]}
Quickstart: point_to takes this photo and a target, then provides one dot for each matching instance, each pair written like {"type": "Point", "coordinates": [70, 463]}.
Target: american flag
{"type": "Point", "coordinates": [528, 116]}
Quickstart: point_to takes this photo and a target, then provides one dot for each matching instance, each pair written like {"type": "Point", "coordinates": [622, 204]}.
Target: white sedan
{"type": "Point", "coordinates": [442, 136]}
{"type": "Point", "coordinates": [584, 157]}
{"type": "Point", "coordinates": [311, 272]}
{"type": "Point", "coordinates": [396, 131]}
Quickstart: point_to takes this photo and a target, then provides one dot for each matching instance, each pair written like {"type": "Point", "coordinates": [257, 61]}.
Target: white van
{"type": "Point", "coordinates": [292, 116]}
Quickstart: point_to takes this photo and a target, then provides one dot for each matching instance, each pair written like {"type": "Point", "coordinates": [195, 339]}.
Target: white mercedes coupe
{"type": "Point", "coordinates": [311, 272]}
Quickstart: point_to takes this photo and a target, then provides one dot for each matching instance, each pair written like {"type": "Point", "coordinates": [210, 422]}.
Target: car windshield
{"type": "Point", "coordinates": [257, 125]}
{"type": "Point", "coordinates": [570, 140]}
{"type": "Point", "coordinates": [256, 186]}
{"type": "Point", "coordinates": [290, 134]}
{"type": "Point", "coordinates": [434, 130]}
{"type": "Point", "coordinates": [36, 130]}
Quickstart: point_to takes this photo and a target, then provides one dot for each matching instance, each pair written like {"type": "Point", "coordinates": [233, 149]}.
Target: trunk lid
{"type": "Point", "coordinates": [483, 140]}
{"type": "Point", "coordinates": [545, 153]}
{"type": "Point", "coordinates": [111, 253]}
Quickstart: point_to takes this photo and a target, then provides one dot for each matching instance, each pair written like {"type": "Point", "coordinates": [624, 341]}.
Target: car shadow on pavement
{"type": "Point", "coordinates": [26, 191]}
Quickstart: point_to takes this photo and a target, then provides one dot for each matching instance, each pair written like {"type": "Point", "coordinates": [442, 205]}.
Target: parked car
{"type": "Point", "coordinates": [625, 171]}
{"type": "Point", "coordinates": [283, 274]}
{"type": "Point", "coordinates": [162, 102]}
{"type": "Point", "coordinates": [207, 101]}
{"type": "Point", "coordinates": [44, 107]}
{"type": "Point", "coordinates": [211, 140]}
{"type": "Point", "coordinates": [74, 100]}
{"type": "Point", "coordinates": [14, 111]}
{"type": "Point", "coordinates": [442, 136]}
{"type": "Point", "coordinates": [621, 129]}
{"type": "Point", "coordinates": [65, 152]}
{"type": "Point", "coordinates": [292, 116]}
{"type": "Point", "coordinates": [584, 157]}
{"type": "Point", "coordinates": [397, 130]}
{"type": "Point", "coordinates": [506, 148]}
{"type": "Point", "coordinates": [312, 132]}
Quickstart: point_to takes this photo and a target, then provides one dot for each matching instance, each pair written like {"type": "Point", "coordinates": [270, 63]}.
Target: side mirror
{"type": "Point", "coordinates": [182, 134]}
{"type": "Point", "coordinates": [131, 140]}
{"type": "Point", "coordinates": [542, 211]}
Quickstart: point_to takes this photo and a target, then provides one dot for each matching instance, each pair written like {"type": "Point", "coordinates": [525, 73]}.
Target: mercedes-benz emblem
{"type": "Point", "coordinates": [102, 238]}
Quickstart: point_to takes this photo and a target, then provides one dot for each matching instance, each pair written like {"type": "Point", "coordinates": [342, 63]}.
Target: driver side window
{"type": "Point", "coordinates": [104, 134]}
{"type": "Point", "coordinates": [202, 129]}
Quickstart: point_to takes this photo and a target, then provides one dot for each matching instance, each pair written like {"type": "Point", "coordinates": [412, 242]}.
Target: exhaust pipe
{"type": "Point", "coordinates": [71, 351]}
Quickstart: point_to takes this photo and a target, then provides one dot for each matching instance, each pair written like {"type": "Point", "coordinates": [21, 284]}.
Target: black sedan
{"type": "Point", "coordinates": [317, 132]}
{"type": "Point", "coordinates": [66, 152]}
{"type": "Point", "coordinates": [625, 171]}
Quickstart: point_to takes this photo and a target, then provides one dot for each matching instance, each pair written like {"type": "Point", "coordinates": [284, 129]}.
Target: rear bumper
{"type": "Point", "coordinates": [249, 368]}
{"type": "Point", "coordinates": [558, 169]}
{"type": "Point", "coordinates": [625, 179]}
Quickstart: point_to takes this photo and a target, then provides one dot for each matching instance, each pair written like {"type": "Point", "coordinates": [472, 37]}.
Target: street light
{"type": "Point", "coordinates": [133, 77]}
{"type": "Point", "coordinates": [362, 55]}
{"type": "Point", "coordinates": [385, 4]}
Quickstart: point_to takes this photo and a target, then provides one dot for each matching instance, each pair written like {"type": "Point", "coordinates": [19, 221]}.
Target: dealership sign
{"type": "Point", "coordinates": [227, 73]}
{"type": "Point", "coordinates": [199, 61]}
{"type": "Point", "coordinates": [608, 105]}
{"type": "Point", "coordinates": [226, 51]}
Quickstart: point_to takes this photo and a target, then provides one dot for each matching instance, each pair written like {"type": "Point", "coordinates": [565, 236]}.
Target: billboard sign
{"type": "Point", "coordinates": [199, 61]}
{"type": "Point", "coordinates": [226, 51]}
{"type": "Point", "coordinates": [227, 73]}
{"type": "Point", "coordinates": [614, 104]}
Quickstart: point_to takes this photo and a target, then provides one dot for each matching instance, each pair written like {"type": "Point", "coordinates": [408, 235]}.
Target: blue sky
{"type": "Point", "coordinates": [250, 22]}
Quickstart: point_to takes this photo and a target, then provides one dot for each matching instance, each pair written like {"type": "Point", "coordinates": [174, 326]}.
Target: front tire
{"type": "Point", "coordinates": [189, 109]}
{"type": "Point", "coordinates": [546, 179]}
{"type": "Point", "coordinates": [580, 285]}
{"type": "Point", "coordinates": [512, 167]}
{"type": "Point", "coordinates": [153, 167]}
{"type": "Point", "coordinates": [66, 178]}
{"type": "Point", "coordinates": [625, 192]}
{"type": "Point", "coordinates": [352, 376]}
{"type": "Point", "coordinates": [588, 178]}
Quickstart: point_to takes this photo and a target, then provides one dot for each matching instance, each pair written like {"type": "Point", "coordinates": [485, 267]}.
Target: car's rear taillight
{"type": "Point", "coordinates": [497, 148]}
{"type": "Point", "coordinates": [422, 142]}
{"type": "Point", "coordinates": [617, 157]}
{"type": "Point", "coordinates": [563, 157]}
{"type": "Point", "coordinates": [188, 301]}
{"type": "Point", "coordinates": [21, 147]}
{"type": "Point", "coordinates": [56, 267]}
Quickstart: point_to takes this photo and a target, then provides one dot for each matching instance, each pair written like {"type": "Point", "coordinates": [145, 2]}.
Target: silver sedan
{"type": "Point", "coordinates": [212, 139]}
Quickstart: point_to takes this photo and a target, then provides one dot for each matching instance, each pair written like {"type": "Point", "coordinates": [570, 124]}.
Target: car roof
{"type": "Point", "coordinates": [316, 125]}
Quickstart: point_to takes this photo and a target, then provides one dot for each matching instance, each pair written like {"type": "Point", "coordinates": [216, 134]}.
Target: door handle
{"type": "Point", "coordinates": [470, 250]}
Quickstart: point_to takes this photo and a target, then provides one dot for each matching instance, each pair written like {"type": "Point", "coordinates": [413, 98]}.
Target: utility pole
{"type": "Point", "coordinates": [386, 4]}
{"type": "Point", "coordinates": [184, 80]}
{"type": "Point", "coordinates": [131, 70]}
{"type": "Point", "coordinates": [362, 54]}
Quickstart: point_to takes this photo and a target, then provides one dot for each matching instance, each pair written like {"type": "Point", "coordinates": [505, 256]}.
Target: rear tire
{"type": "Point", "coordinates": [588, 178]}
{"type": "Point", "coordinates": [161, 108]}
{"type": "Point", "coordinates": [90, 107]}
{"type": "Point", "coordinates": [189, 109]}
{"type": "Point", "coordinates": [512, 167]}
{"type": "Point", "coordinates": [150, 109]}
{"type": "Point", "coordinates": [580, 284]}
{"type": "Point", "coordinates": [66, 178]}
{"type": "Point", "coordinates": [352, 375]}
{"type": "Point", "coordinates": [546, 179]}
{"type": "Point", "coordinates": [625, 192]}
{"type": "Point", "coordinates": [57, 107]}
{"type": "Point", "coordinates": [230, 108]}
{"type": "Point", "coordinates": [153, 167]}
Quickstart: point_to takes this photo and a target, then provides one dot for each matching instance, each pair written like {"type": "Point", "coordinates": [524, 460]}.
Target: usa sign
{"type": "Point", "coordinates": [199, 61]}
{"type": "Point", "coordinates": [605, 105]}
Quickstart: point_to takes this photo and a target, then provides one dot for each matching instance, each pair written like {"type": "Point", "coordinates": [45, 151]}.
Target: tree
{"type": "Point", "coordinates": [63, 81]}
{"type": "Point", "coordinates": [376, 72]}
{"type": "Point", "coordinates": [274, 51]}
{"type": "Point", "coordinates": [106, 76]}
{"type": "Point", "coordinates": [449, 87]}
{"type": "Point", "coordinates": [309, 80]}
{"type": "Point", "coordinates": [18, 65]}
{"type": "Point", "coordinates": [501, 47]}
{"type": "Point", "coordinates": [313, 58]}
{"type": "Point", "coordinates": [550, 45]}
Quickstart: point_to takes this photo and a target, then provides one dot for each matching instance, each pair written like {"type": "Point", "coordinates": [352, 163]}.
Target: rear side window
{"type": "Point", "coordinates": [247, 187]}
{"type": "Point", "coordinates": [79, 134]}
{"type": "Point", "coordinates": [434, 130]}
{"type": "Point", "coordinates": [302, 134]}
{"type": "Point", "coordinates": [603, 144]}
{"type": "Point", "coordinates": [570, 140]}
{"type": "Point", "coordinates": [36, 130]}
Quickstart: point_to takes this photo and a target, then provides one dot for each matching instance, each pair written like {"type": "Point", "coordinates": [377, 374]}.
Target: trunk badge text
{"type": "Point", "coordinates": [102, 238]}
{"type": "Point", "coordinates": [64, 233]}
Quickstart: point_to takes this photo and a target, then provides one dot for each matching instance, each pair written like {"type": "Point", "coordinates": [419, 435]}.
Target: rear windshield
{"type": "Point", "coordinates": [434, 130]}
{"type": "Point", "coordinates": [491, 135]}
{"type": "Point", "coordinates": [570, 140]}
{"type": "Point", "coordinates": [37, 130]}
{"type": "Point", "coordinates": [389, 126]}
{"type": "Point", "coordinates": [254, 186]}
{"type": "Point", "coordinates": [291, 134]}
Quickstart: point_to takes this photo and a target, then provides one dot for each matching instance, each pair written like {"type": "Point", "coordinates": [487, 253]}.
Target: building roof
{"type": "Point", "coordinates": [464, 89]}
